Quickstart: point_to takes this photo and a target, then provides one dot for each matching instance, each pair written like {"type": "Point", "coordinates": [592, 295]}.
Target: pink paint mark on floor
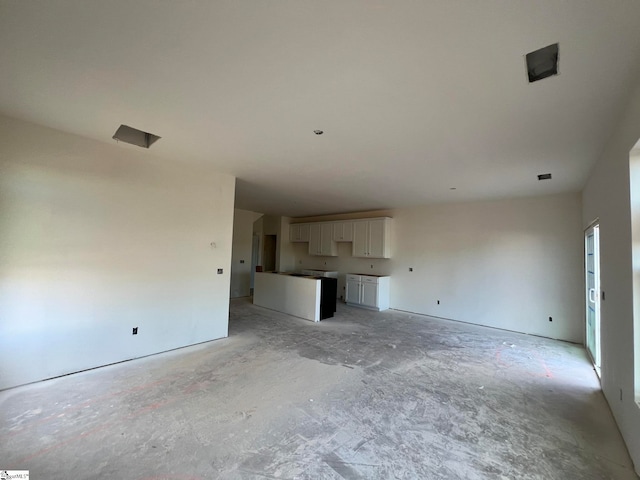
{"type": "Point", "coordinates": [546, 368]}
{"type": "Point", "coordinates": [55, 446]}
{"type": "Point", "coordinates": [501, 361]}
{"type": "Point", "coordinates": [88, 403]}
{"type": "Point", "coordinates": [147, 409]}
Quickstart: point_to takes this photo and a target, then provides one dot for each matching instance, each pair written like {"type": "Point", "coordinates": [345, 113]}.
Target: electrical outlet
{"type": "Point", "coordinates": [438, 302]}
{"type": "Point", "coordinates": [241, 261]}
{"type": "Point", "coordinates": [603, 295]}
{"type": "Point", "coordinates": [371, 266]}
{"type": "Point", "coordinates": [135, 331]}
{"type": "Point", "coordinates": [219, 271]}
{"type": "Point", "coordinates": [411, 269]}
{"type": "Point", "coordinates": [551, 319]}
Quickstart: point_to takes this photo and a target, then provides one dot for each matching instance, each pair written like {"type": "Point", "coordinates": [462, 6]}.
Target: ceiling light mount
{"type": "Point", "coordinates": [318, 132]}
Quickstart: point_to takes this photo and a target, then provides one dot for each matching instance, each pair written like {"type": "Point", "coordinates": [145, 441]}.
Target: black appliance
{"type": "Point", "coordinates": [328, 294]}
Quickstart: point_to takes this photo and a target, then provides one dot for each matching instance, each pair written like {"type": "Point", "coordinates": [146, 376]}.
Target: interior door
{"type": "Point", "coordinates": [592, 284]}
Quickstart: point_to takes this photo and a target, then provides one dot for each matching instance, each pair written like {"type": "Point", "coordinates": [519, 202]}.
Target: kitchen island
{"type": "Point", "coordinates": [304, 296]}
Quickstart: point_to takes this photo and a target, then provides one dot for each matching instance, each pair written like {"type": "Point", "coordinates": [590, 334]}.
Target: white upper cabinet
{"type": "Point", "coordinates": [299, 232]}
{"type": "Point", "coordinates": [321, 240]}
{"type": "Point", "coordinates": [360, 238]}
{"type": "Point", "coordinates": [371, 238]}
{"type": "Point", "coordinates": [343, 231]}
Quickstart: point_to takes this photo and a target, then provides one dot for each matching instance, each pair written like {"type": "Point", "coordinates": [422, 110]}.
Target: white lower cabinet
{"type": "Point", "coordinates": [354, 288]}
{"type": "Point", "coordinates": [368, 291]}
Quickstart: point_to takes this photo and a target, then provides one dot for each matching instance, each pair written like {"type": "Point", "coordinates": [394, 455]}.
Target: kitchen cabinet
{"type": "Point", "coordinates": [321, 240]}
{"type": "Point", "coordinates": [299, 232]}
{"type": "Point", "coordinates": [343, 231]}
{"type": "Point", "coordinates": [371, 238]}
{"type": "Point", "coordinates": [368, 291]}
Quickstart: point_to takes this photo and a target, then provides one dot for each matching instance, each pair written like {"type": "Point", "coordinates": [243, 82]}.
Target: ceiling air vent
{"type": "Point", "coordinates": [542, 63]}
{"type": "Point", "coordinates": [134, 136]}
{"type": "Point", "coordinates": [544, 176]}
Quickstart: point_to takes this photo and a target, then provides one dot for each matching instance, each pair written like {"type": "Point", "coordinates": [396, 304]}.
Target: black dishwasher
{"type": "Point", "coordinates": [328, 293]}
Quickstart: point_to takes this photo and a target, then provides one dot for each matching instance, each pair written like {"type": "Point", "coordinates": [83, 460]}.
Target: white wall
{"type": "Point", "coordinates": [241, 252]}
{"type": "Point", "coordinates": [634, 191]}
{"type": "Point", "coordinates": [258, 230]}
{"type": "Point", "coordinates": [509, 264]}
{"type": "Point", "coordinates": [278, 226]}
{"type": "Point", "coordinates": [96, 239]}
{"type": "Point", "coordinates": [606, 197]}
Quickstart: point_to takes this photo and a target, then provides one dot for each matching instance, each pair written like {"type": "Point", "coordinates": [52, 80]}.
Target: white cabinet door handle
{"type": "Point", "coordinates": [592, 295]}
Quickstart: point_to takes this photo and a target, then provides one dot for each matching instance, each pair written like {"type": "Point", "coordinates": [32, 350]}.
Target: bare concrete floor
{"type": "Point", "coordinates": [363, 395]}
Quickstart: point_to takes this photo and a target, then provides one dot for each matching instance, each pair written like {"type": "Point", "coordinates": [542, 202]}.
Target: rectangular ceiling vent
{"type": "Point", "coordinates": [544, 176]}
{"type": "Point", "coordinates": [134, 136]}
{"type": "Point", "coordinates": [542, 63]}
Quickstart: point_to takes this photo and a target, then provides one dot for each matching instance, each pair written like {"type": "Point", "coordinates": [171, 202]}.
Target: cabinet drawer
{"type": "Point", "coordinates": [353, 278]}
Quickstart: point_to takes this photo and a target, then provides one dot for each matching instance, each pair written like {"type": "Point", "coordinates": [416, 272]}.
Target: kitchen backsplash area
{"type": "Point", "coordinates": [344, 263]}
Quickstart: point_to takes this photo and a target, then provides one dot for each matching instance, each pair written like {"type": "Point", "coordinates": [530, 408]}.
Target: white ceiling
{"type": "Point", "coordinates": [414, 97]}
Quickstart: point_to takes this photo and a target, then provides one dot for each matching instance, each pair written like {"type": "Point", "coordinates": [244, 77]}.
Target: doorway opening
{"type": "Point", "coordinates": [592, 284]}
{"type": "Point", "coordinates": [269, 253]}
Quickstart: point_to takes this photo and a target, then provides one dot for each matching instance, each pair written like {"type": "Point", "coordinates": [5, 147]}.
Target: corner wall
{"type": "Point", "coordinates": [509, 264]}
{"type": "Point", "coordinates": [96, 239]}
{"type": "Point", "coordinates": [607, 197]}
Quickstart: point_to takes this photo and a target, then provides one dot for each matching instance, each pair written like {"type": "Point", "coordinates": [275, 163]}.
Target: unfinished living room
{"type": "Point", "coordinates": [320, 240]}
